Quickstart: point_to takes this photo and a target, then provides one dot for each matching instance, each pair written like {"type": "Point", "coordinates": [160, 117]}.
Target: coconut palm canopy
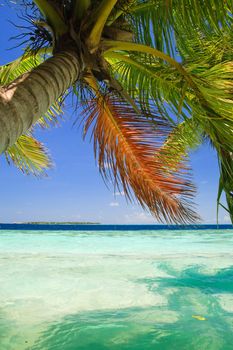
{"type": "Point", "coordinates": [154, 80]}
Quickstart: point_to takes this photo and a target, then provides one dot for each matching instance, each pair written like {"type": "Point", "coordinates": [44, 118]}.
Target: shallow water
{"type": "Point", "coordinates": [116, 290]}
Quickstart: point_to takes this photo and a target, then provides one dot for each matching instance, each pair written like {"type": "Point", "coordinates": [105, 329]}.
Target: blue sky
{"type": "Point", "coordinates": [73, 189]}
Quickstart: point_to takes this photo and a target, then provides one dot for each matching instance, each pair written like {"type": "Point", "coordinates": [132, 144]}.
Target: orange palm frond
{"type": "Point", "coordinates": [127, 143]}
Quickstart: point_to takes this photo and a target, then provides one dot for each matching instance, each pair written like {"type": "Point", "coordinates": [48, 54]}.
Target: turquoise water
{"type": "Point", "coordinates": [116, 290]}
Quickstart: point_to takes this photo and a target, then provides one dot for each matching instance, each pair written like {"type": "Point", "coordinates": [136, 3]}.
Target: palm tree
{"type": "Point", "coordinates": [154, 79]}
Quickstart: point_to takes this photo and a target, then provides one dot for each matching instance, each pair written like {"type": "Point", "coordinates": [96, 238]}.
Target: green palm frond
{"type": "Point", "coordinates": [160, 23]}
{"type": "Point", "coordinates": [149, 79]}
{"type": "Point", "coordinates": [29, 156]}
{"type": "Point", "coordinates": [185, 137]}
{"type": "Point", "coordinates": [215, 85]}
{"type": "Point", "coordinates": [22, 65]}
{"type": "Point", "coordinates": [226, 181]}
{"type": "Point", "coordinates": [212, 49]}
{"type": "Point", "coordinates": [191, 90]}
{"type": "Point", "coordinates": [51, 117]}
{"type": "Point", "coordinates": [152, 24]}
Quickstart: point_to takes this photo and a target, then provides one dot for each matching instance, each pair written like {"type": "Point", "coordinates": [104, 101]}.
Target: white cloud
{"type": "Point", "coordinates": [122, 193]}
{"type": "Point", "coordinates": [114, 204]}
{"type": "Point", "coordinates": [226, 219]}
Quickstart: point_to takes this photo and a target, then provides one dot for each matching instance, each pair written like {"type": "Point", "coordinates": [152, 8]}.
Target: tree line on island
{"type": "Point", "coordinates": [60, 223]}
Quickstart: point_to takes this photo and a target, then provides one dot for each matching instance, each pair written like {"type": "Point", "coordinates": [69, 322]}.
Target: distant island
{"type": "Point", "coordinates": [59, 223]}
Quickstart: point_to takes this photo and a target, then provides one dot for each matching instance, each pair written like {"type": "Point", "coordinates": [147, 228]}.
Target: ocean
{"type": "Point", "coordinates": [116, 289]}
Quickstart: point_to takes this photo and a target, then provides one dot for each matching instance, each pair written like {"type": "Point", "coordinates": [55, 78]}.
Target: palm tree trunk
{"type": "Point", "coordinates": [25, 100]}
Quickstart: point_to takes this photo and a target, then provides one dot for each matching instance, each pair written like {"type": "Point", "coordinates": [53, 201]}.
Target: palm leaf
{"type": "Point", "coordinates": [184, 138]}
{"type": "Point", "coordinates": [127, 143]}
{"type": "Point", "coordinates": [29, 155]}
{"type": "Point", "coordinates": [52, 116]}
{"type": "Point", "coordinates": [226, 181]}
{"type": "Point", "coordinates": [164, 24]}
{"type": "Point", "coordinates": [22, 65]}
{"type": "Point", "coordinates": [148, 80]}
{"type": "Point", "coordinates": [194, 90]}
